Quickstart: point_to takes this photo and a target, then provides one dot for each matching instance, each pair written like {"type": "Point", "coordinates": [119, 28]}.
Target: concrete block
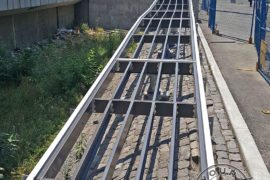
{"type": "Point", "coordinates": [44, 2]}
{"type": "Point", "coordinates": [52, 1]}
{"type": "Point", "coordinates": [117, 13]}
{"type": "Point", "coordinates": [35, 3]}
{"type": "Point", "coordinates": [82, 12]}
{"type": "Point", "coordinates": [66, 16]}
{"type": "Point", "coordinates": [3, 5]}
{"type": "Point", "coordinates": [6, 35]}
{"type": "Point", "coordinates": [26, 28]}
{"type": "Point", "coordinates": [10, 4]}
{"type": "Point", "coordinates": [25, 3]}
{"type": "Point", "coordinates": [16, 4]}
{"type": "Point", "coordinates": [47, 23]}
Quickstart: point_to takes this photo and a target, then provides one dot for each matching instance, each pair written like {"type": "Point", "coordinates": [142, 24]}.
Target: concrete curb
{"type": "Point", "coordinates": [252, 157]}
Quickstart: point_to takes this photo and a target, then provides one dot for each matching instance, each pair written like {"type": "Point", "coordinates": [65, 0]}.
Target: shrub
{"type": "Point", "coordinates": [84, 27]}
{"type": "Point", "coordinates": [38, 87]}
{"type": "Point", "coordinates": [8, 152]}
{"type": "Point", "coordinates": [14, 66]}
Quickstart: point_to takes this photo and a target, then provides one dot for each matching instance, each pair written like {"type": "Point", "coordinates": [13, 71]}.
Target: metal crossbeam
{"type": "Point", "coordinates": [163, 25]}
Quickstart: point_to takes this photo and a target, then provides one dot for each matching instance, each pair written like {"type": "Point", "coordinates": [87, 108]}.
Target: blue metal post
{"type": "Point", "coordinates": [212, 15]}
{"type": "Point", "coordinates": [263, 18]}
{"type": "Point", "coordinates": [258, 26]}
{"type": "Point", "coordinates": [252, 23]}
{"type": "Point", "coordinates": [204, 5]}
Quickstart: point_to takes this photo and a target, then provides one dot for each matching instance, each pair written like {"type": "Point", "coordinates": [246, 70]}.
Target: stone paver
{"type": "Point", "coordinates": [187, 154]}
{"type": "Point", "coordinates": [225, 146]}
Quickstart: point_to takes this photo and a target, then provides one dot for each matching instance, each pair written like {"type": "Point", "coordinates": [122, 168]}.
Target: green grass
{"type": "Point", "coordinates": [38, 86]}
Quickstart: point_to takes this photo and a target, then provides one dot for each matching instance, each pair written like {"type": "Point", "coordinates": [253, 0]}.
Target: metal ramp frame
{"type": "Point", "coordinates": [161, 24]}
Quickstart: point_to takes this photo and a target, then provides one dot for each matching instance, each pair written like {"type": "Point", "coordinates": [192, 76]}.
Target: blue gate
{"type": "Point", "coordinates": [262, 38]}
{"type": "Point", "coordinates": [205, 5]}
{"type": "Point", "coordinates": [261, 34]}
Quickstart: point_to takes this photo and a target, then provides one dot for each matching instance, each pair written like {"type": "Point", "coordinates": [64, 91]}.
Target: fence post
{"type": "Point", "coordinates": [263, 18]}
{"type": "Point", "coordinates": [258, 26]}
{"type": "Point", "coordinates": [212, 15]}
{"type": "Point", "coordinates": [204, 5]}
{"type": "Point", "coordinates": [252, 24]}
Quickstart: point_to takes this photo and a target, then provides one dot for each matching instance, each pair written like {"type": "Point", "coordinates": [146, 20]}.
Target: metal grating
{"type": "Point", "coordinates": [166, 44]}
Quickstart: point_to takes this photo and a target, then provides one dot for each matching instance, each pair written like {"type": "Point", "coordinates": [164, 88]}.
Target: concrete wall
{"type": "Point", "coordinates": [6, 5]}
{"type": "Point", "coordinates": [82, 12]}
{"type": "Point", "coordinates": [120, 13]}
{"type": "Point", "coordinates": [21, 30]}
{"type": "Point", "coordinates": [116, 13]}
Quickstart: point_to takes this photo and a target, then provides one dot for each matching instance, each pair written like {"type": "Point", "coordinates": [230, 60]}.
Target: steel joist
{"type": "Point", "coordinates": [165, 41]}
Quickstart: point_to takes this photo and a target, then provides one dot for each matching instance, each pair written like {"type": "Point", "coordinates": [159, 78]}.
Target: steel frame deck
{"type": "Point", "coordinates": [162, 14]}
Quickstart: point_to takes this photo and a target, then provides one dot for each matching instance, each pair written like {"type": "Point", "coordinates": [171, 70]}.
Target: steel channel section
{"type": "Point", "coordinates": [149, 124]}
{"type": "Point", "coordinates": [173, 134]}
{"type": "Point", "coordinates": [163, 14]}
{"type": "Point", "coordinates": [87, 159]}
{"type": "Point", "coordinates": [67, 131]}
{"type": "Point", "coordinates": [92, 147]}
{"type": "Point", "coordinates": [82, 170]}
{"type": "Point", "coordinates": [108, 173]}
{"type": "Point", "coordinates": [156, 60]}
{"type": "Point", "coordinates": [206, 151]}
{"type": "Point", "coordinates": [163, 108]}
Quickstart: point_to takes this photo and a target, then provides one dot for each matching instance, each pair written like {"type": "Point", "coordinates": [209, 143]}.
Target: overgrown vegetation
{"type": "Point", "coordinates": [38, 86]}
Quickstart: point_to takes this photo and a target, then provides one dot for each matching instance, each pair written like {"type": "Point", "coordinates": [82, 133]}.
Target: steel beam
{"type": "Point", "coordinates": [162, 26]}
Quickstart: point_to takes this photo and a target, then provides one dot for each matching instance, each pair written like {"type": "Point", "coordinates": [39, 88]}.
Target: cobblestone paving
{"type": "Point", "coordinates": [225, 147]}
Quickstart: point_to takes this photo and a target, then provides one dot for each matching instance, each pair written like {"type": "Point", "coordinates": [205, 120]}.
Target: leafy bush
{"type": "Point", "coordinates": [38, 87]}
{"type": "Point", "coordinates": [8, 152]}
{"type": "Point", "coordinates": [84, 27]}
{"type": "Point", "coordinates": [13, 66]}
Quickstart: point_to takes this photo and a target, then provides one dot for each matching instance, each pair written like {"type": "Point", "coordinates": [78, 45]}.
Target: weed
{"type": "Point", "coordinates": [2, 171]}
{"type": "Point", "coordinates": [84, 27]}
{"type": "Point", "coordinates": [8, 152]}
{"type": "Point", "coordinates": [79, 148]}
{"type": "Point", "coordinates": [99, 30]}
{"type": "Point", "coordinates": [66, 172]}
{"type": "Point", "coordinates": [38, 87]}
